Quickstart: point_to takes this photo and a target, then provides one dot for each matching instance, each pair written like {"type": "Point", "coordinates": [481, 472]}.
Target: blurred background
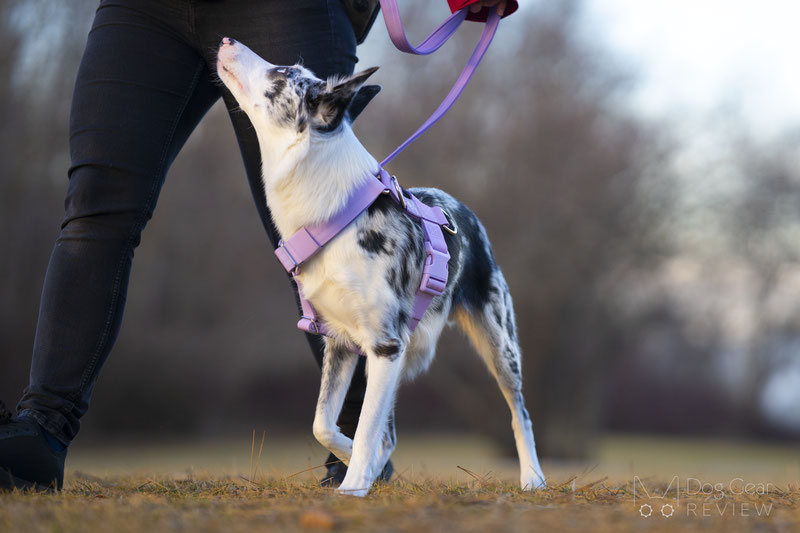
{"type": "Point", "coordinates": [636, 166]}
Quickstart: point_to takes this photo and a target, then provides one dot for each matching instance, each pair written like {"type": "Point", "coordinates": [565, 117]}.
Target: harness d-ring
{"type": "Point", "coordinates": [399, 191]}
{"type": "Point", "coordinates": [450, 227]}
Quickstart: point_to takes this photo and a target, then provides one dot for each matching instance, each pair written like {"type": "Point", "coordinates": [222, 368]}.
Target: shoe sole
{"type": "Point", "coordinates": [9, 482]}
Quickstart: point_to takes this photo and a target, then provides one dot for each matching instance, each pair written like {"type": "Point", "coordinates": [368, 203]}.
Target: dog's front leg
{"type": "Point", "coordinates": [383, 376]}
{"type": "Point", "coordinates": [338, 365]}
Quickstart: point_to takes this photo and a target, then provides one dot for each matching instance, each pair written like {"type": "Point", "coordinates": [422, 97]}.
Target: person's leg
{"type": "Point", "coordinates": [284, 32]}
{"type": "Point", "coordinates": [140, 91]}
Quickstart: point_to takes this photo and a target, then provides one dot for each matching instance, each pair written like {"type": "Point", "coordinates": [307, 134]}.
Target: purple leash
{"type": "Point", "coordinates": [307, 241]}
{"type": "Point", "coordinates": [433, 42]}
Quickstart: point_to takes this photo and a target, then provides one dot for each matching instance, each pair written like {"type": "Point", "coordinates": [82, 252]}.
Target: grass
{"type": "Point", "coordinates": [600, 496]}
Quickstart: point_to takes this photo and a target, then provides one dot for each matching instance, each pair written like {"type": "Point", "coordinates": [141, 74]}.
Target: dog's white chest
{"type": "Point", "coordinates": [346, 288]}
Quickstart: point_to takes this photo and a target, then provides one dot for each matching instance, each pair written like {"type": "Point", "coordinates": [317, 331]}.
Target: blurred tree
{"type": "Point", "coordinates": [763, 223]}
{"type": "Point", "coordinates": [37, 70]}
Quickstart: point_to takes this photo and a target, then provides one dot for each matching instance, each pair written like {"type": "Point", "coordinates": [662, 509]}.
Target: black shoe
{"type": "Point", "coordinates": [27, 459]}
{"type": "Point", "coordinates": [337, 470]}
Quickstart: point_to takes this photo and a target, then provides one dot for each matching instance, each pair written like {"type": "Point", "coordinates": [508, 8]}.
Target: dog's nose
{"type": "Point", "coordinates": [226, 40]}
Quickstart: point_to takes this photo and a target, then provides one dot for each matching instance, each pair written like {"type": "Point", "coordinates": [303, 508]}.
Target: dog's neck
{"type": "Point", "coordinates": [309, 188]}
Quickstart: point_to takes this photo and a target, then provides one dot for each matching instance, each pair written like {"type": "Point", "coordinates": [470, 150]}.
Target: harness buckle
{"type": "Point", "coordinates": [434, 273]}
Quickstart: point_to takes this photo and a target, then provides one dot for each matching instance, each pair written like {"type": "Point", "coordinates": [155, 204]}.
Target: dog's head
{"type": "Point", "coordinates": [290, 101]}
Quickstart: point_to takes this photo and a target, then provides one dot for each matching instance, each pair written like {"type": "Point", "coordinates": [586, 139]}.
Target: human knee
{"type": "Point", "coordinates": [106, 204]}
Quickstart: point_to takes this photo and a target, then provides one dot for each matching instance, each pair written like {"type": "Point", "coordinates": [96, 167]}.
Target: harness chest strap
{"type": "Point", "coordinates": [307, 241]}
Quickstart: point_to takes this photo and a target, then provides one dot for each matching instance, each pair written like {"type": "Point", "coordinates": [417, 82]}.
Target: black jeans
{"type": "Point", "coordinates": [145, 81]}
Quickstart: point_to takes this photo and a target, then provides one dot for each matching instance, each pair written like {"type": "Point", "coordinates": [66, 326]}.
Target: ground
{"type": "Point", "coordinates": [443, 484]}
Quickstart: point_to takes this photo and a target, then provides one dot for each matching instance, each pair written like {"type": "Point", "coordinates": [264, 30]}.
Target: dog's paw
{"type": "Point", "coordinates": [530, 483]}
{"type": "Point", "coordinates": [358, 493]}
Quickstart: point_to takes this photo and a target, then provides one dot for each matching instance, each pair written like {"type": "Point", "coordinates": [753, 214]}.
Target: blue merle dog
{"type": "Point", "coordinates": [363, 283]}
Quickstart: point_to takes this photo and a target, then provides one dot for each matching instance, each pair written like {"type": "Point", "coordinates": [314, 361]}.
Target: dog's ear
{"type": "Point", "coordinates": [328, 107]}
{"type": "Point", "coordinates": [364, 96]}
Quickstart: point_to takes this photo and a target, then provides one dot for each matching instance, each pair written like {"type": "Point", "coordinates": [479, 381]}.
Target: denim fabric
{"type": "Point", "coordinates": [145, 81]}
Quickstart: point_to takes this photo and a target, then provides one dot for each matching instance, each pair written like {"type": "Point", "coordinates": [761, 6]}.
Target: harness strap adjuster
{"type": "Point", "coordinates": [297, 249]}
{"type": "Point", "coordinates": [305, 323]}
{"type": "Point", "coordinates": [434, 272]}
{"type": "Point", "coordinates": [286, 259]}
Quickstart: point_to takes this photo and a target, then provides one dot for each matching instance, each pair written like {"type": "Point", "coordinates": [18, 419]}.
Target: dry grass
{"type": "Point", "coordinates": [122, 504]}
{"type": "Point", "coordinates": [604, 496]}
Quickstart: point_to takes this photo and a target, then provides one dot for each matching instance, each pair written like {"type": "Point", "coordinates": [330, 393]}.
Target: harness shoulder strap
{"type": "Point", "coordinates": [307, 241]}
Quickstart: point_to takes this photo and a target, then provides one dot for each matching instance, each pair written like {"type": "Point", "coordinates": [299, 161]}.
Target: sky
{"type": "Point", "coordinates": [694, 57]}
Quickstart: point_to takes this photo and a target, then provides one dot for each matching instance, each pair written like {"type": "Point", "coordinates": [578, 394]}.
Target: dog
{"type": "Point", "coordinates": [364, 281]}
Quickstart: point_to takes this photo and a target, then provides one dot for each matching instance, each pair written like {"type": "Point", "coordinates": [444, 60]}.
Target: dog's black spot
{"type": "Point", "coordinates": [511, 358]}
{"type": "Point", "coordinates": [286, 113]}
{"type": "Point", "coordinates": [391, 278]}
{"type": "Point", "coordinates": [311, 100]}
{"type": "Point", "coordinates": [330, 112]}
{"type": "Point", "coordinates": [414, 247]}
{"type": "Point", "coordinates": [277, 87]}
{"type": "Point", "coordinates": [405, 276]}
{"type": "Point", "coordinates": [437, 304]}
{"type": "Point", "coordinates": [402, 320]}
{"type": "Point", "coordinates": [478, 262]}
{"type": "Point", "coordinates": [383, 205]}
{"type": "Point", "coordinates": [303, 85]}
{"type": "Point", "coordinates": [302, 122]}
{"type": "Point", "coordinates": [388, 349]}
{"type": "Point", "coordinates": [497, 316]}
{"type": "Point", "coordinates": [508, 353]}
{"type": "Point", "coordinates": [363, 96]}
{"type": "Point", "coordinates": [372, 241]}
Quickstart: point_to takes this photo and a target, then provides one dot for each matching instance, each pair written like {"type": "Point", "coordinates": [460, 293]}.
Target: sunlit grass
{"type": "Point", "coordinates": [463, 488]}
{"type": "Point", "coordinates": [161, 503]}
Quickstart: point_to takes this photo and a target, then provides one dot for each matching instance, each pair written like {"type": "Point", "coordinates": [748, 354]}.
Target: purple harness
{"type": "Point", "coordinates": [307, 241]}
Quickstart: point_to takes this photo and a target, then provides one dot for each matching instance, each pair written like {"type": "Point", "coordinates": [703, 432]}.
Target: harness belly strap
{"type": "Point", "coordinates": [307, 241]}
